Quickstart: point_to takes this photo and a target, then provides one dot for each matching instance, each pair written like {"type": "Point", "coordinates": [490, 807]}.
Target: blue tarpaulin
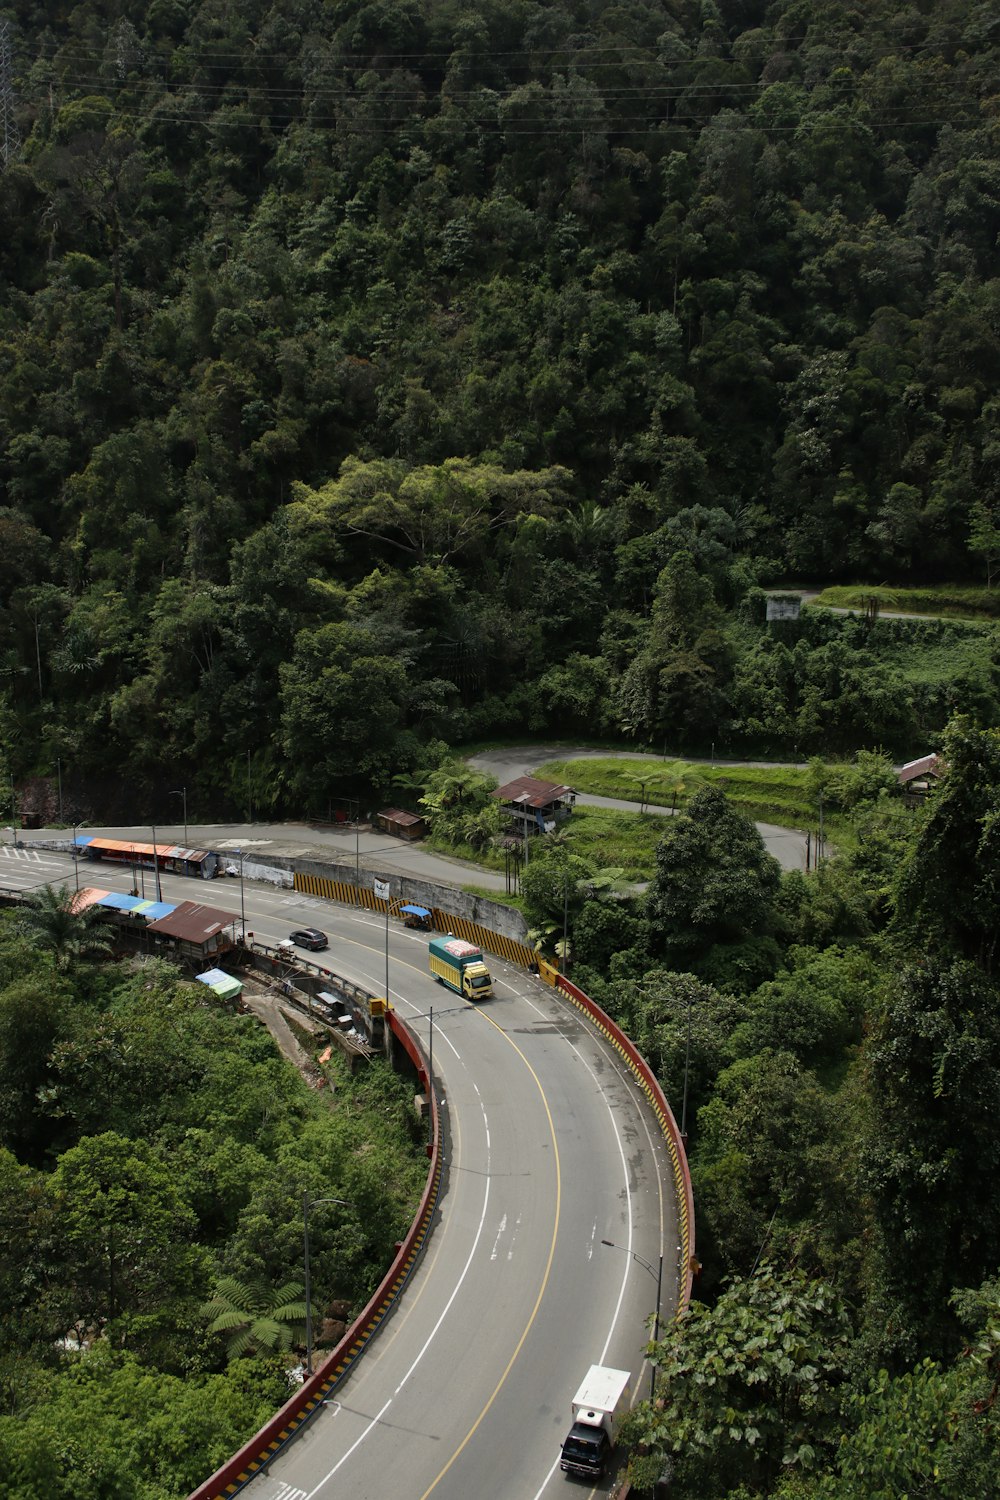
{"type": "Point", "coordinates": [151, 910]}
{"type": "Point", "coordinates": [415, 911]}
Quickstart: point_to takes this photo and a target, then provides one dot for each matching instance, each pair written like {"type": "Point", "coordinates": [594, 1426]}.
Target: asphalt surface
{"type": "Point", "coordinates": [550, 1150]}
{"type": "Point", "coordinates": [371, 852]}
{"type": "Point", "coordinates": [374, 853]}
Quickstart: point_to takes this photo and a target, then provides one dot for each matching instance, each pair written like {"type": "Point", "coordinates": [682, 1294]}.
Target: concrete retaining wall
{"type": "Point", "coordinates": [506, 920]}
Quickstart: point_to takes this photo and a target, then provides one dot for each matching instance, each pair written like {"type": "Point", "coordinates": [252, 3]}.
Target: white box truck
{"type": "Point", "coordinates": [599, 1408]}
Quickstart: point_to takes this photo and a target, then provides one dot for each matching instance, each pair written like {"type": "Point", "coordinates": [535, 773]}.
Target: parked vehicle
{"type": "Point", "coordinates": [308, 937]}
{"type": "Point", "coordinates": [599, 1408]}
{"type": "Point", "coordinates": [461, 967]}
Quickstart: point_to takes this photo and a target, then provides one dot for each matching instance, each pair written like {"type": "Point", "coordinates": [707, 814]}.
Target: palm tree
{"type": "Point", "coordinates": [546, 938]}
{"type": "Point", "coordinates": [637, 781]}
{"type": "Point", "coordinates": [608, 883]}
{"type": "Point", "coordinates": [51, 919]}
{"type": "Point", "coordinates": [253, 1315]}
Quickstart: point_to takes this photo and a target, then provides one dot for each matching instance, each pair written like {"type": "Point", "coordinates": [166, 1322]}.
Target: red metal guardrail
{"type": "Point", "coordinates": [261, 1448]}
{"type": "Point", "coordinates": [664, 1114]}
{"type": "Point", "coordinates": [255, 1454]}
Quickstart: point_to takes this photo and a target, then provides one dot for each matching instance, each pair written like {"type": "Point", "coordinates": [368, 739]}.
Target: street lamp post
{"type": "Point", "coordinates": [429, 1018]}
{"type": "Point", "coordinates": [183, 793]}
{"type": "Point", "coordinates": [59, 775]}
{"type": "Point", "coordinates": [307, 1204]}
{"type": "Point", "coordinates": [687, 1064]}
{"type": "Point", "coordinates": [76, 856]}
{"type": "Point", "coordinates": [658, 1273]}
{"type": "Point", "coordinates": [156, 865]}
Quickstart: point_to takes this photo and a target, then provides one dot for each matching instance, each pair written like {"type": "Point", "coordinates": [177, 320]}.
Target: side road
{"type": "Point", "coordinates": [786, 844]}
{"type": "Point", "coordinates": [370, 850]}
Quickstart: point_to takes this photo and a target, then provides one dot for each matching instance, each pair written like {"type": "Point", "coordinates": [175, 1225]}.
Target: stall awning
{"type": "Point", "coordinates": [416, 911]}
{"type": "Point", "coordinates": [221, 983]}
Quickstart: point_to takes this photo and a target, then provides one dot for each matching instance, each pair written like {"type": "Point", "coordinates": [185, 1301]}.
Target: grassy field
{"type": "Point", "coordinates": [607, 838]}
{"type": "Point", "coordinates": [950, 601]}
{"type": "Point", "coordinates": [771, 794]}
{"type": "Point", "coordinates": [627, 838]}
{"type": "Point", "coordinates": [944, 662]}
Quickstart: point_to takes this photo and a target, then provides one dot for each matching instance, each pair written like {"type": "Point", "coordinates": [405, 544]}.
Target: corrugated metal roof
{"type": "Point", "coordinates": [86, 896]}
{"type": "Point", "coordinates": [226, 986]}
{"type": "Point", "coordinates": [396, 815]}
{"type": "Point", "coordinates": [153, 910]}
{"type": "Point", "coordinates": [528, 791]}
{"type": "Point", "coordinates": [129, 846]}
{"type": "Point", "coordinates": [927, 765]}
{"type": "Point", "coordinates": [191, 922]}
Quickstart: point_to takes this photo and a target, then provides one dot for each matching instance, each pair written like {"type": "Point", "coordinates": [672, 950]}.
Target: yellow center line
{"type": "Point", "coordinates": [548, 1264]}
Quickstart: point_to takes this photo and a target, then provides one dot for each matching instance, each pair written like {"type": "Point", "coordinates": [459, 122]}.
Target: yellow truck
{"type": "Point", "coordinates": [460, 966]}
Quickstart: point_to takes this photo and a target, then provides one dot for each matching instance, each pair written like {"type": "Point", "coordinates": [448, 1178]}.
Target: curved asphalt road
{"type": "Point", "coordinates": [550, 1149]}
{"type": "Point", "coordinates": [466, 1392]}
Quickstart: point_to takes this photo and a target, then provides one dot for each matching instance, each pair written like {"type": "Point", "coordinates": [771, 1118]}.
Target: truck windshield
{"type": "Point", "coordinates": [587, 1448]}
{"type": "Point", "coordinates": [480, 981]}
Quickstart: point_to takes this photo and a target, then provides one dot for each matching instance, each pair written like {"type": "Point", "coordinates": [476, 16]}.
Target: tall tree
{"type": "Point", "coordinates": [53, 919]}
{"type": "Point", "coordinates": [750, 1387]}
{"type": "Point", "coordinates": [715, 881]}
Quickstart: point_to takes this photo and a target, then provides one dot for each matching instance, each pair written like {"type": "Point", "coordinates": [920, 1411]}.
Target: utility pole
{"type": "Point", "coordinates": [10, 135]}
{"type": "Point", "coordinates": [183, 793]}
{"type": "Point", "coordinates": [381, 888]}
{"type": "Point", "coordinates": [307, 1204]}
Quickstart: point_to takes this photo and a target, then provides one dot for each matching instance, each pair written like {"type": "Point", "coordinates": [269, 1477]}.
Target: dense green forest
{"type": "Point", "coordinates": [154, 1150]}
{"type": "Point", "coordinates": [830, 1044]}
{"type": "Point", "coordinates": [378, 372]}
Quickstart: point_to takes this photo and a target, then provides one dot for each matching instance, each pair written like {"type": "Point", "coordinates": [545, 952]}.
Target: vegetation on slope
{"type": "Point", "coordinates": [365, 371]}
{"type": "Point", "coordinates": [153, 1153]}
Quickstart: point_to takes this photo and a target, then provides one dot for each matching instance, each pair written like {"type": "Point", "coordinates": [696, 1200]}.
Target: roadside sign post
{"type": "Point", "coordinates": [381, 889]}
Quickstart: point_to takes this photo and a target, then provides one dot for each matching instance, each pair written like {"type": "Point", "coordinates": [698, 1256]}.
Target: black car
{"type": "Point", "coordinates": [308, 937]}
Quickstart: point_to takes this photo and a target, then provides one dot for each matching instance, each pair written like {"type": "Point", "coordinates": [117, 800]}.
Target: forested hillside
{"type": "Point", "coordinates": [154, 1152]}
{"type": "Point", "coordinates": [377, 373]}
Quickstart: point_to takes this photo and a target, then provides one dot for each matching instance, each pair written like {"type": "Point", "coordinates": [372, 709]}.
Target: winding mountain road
{"type": "Point", "coordinates": [551, 1153]}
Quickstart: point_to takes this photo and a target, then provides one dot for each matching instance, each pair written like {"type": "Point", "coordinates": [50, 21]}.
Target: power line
{"type": "Point", "coordinates": [571, 52]}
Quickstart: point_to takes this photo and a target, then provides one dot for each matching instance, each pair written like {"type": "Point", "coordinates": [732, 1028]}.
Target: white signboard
{"type": "Point", "coordinates": [381, 889]}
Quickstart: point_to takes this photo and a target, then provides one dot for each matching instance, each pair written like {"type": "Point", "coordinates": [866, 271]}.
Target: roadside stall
{"type": "Point", "coordinates": [417, 916]}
